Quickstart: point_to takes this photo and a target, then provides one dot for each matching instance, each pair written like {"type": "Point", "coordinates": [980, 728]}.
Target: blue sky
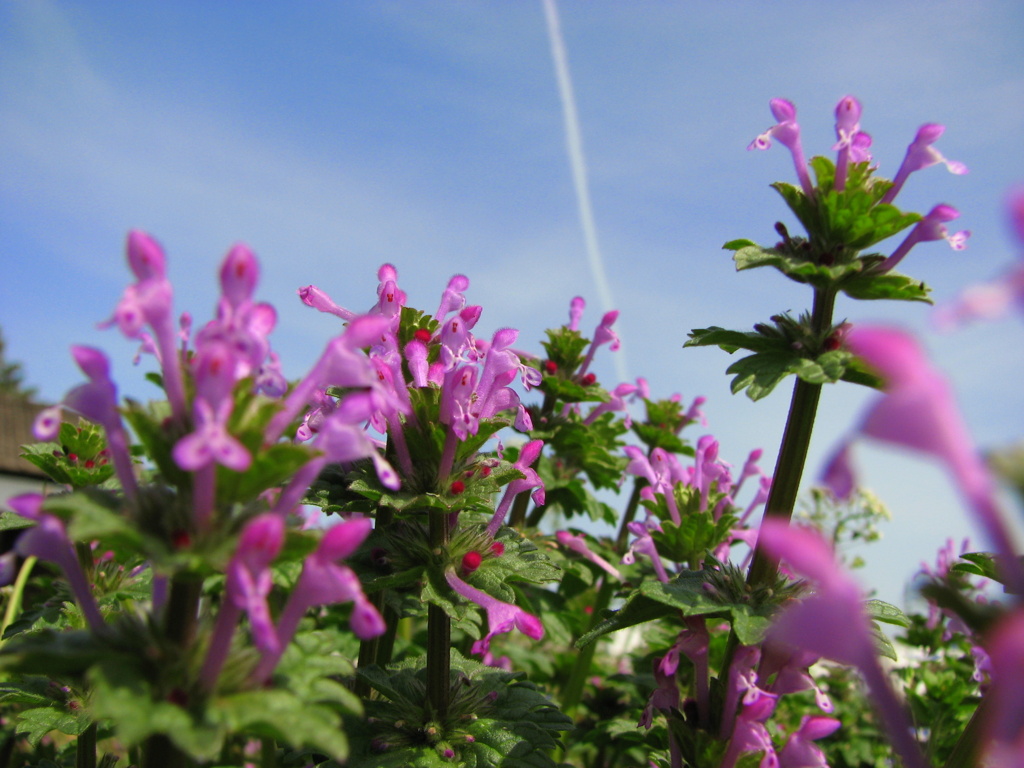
{"type": "Point", "coordinates": [333, 137]}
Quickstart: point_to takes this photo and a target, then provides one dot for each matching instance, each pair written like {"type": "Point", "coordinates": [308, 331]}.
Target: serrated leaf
{"type": "Point", "coordinates": [9, 521]}
{"type": "Point", "coordinates": [36, 723]}
{"type": "Point", "coordinates": [684, 594]}
{"type": "Point", "coordinates": [728, 340]}
{"type": "Point", "coordinates": [888, 285]}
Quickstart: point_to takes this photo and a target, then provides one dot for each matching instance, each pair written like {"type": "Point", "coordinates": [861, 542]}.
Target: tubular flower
{"type": "Point", "coordinates": [918, 412]}
{"type": "Point", "coordinates": [931, 227]}
{"type": "Point", "coordinates": [921, 154]}
{"type": "Point", "coordinates": [501, 617]}
{"type": "Point", "coordinates": [787, 133]}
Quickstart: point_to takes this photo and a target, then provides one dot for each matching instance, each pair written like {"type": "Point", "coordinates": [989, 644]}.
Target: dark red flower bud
{"type": "Point", "coordinates": [471, 561]}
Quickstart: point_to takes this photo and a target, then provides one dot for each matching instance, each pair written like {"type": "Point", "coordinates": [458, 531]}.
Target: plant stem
{"type": "Point", "coordinates": [85, 748]}
{"type": "Point", "coordinates": [378, 650]}
{"type": "Point", "coordinates": [796, 439]}
{"type": "Point", "coordinates": [268, 753]}
{"type": "Point", "coordinates": [181, 612]}
{"type": "Point", "coordinates": [573, 691]}
{"type": "Point", "coordinates": [159, 751]}
{"type": "Point", "coordinates": [627, 517]}
{"type": "Point", "coordinates": [517, 517]}
{"type": "Point", "coordinates": [439, 631]}
{"type": "Point", "coordinates": [17, 594]}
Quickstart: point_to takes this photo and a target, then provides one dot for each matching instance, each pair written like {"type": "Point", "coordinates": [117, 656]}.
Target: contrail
{"type": "Point", "coordinates": [574, 144]}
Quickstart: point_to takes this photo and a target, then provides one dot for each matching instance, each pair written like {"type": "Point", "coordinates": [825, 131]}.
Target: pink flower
{"type": "Point", "coordinates": [501, 617]}
{"type": "Point", "coordinates": [787, 133]}
{"type": "Point", "coordinates": [831, 623]}
{"type": "Point", "coordinates": [921, 154]}
{"type": "Point", "coordinates": [918, 412]}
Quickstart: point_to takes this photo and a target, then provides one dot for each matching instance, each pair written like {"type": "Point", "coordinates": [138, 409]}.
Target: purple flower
{"type": "Point", "coordinates": [918, 412]}
{"type": "Point", "coordinates": [149, 302]}
{"type": "Point", "coordinates": [931, 227]}
{"type": "Point", "coordinates": [325, 581]}
{"type": "Point", "coordinates": [342, 364]}
{"type": "Point", "coordinates": [96, 400]}
{"type": "Point", "coordinates": [48, 540]}
{"type": "Point", "coordinates": [453, 299]}
{"type": "Point", "coordinates": [921, 154]}
{"type": "Point", "coordinates": [527, 456]}
{"type": "Point", "coordinates": [603, 334]}
{"type": "Point", "coordinates": [644, 544]}
{"type": "Point", "coordinates": [214, 373]}
{"type": "Point", "coordinates": [852, 143]}
{"type": "Point", "coordinates": [831, 623]}
{"type": "Point", "coordinates": [501, 617]}
{"type": "Point", "coordinates": [787, 133]}
{"type": "Point", "coordinates": [799, 751]}
{"type": "Point", "coordinates": [313, 297]}
{"type": "Point", "coordinates": [576, 307]}
{"type": "Point", "coordinates": [1004, 726]}
{"type": "Point", "coordinates": [987, 301]}
{"type": "Point", "coordinates": [248, 584]}
{"type": "Point", "coordinates": [578, 544]}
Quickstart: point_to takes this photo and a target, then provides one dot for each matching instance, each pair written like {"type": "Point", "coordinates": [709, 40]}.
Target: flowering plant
{"type": "Point", "coordinates": [392, 561]}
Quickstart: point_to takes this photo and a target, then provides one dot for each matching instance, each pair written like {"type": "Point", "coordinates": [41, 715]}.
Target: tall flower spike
{"type": "Point", "coordinates": [787, 133]}
{"type": "Point", "coordinates": [931, 227]}
{"type": "Point", "coordinates": [921, 154]}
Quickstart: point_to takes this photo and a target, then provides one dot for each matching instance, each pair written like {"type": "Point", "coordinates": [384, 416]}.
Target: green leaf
{"type": "Point", "coordinates": [887, 285]}
{"type": "Point", "coordinates": [879, 610]}
{"type": "Point", "coordinates": [281, 715]}
{"type": "Point", "coordinates": [687, 595]}
{"type": "Point", "coordinates": [9, 521]}
{"type": "Point", "coordinates": [36, 723]}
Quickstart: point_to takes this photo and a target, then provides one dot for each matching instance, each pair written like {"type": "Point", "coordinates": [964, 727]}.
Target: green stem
{"type": "Point", "coordinates": [17, 595]}
{"type": "Point", "coordinates": [181, 612]}
{"type": "Point", "coordinates": [160, 752]}
{"type": "Point", "coordinates": [268, 753]}
{"type": "Point", "coordinates": [629, 514]}
{"type": "Point", "coordinates": [518, 515]}
{"type": "Point", "coordinates": [439, 631]}
{"type": "Point", "coordinates": [573, 691]}
{"type": "Point", "coordinates": [378, 650]}
{"type": "Point", "coordinates": [85, 748]}
{"type": "Point", "coordinates": [796, 440]}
